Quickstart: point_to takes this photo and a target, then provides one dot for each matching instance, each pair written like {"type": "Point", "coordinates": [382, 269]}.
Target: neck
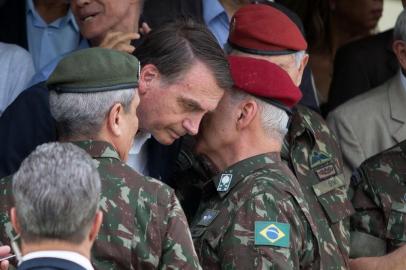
{"type": "Point", "coordinates": [51, 10]}
{"type": "Point", "coordinates": [343, 32]}
{"type": "Point", "coordinates": [231, 6]}
{"type": "Point", "coordinates": [83, 248]}
{"type": "Point", "coordinates": [246, 146]}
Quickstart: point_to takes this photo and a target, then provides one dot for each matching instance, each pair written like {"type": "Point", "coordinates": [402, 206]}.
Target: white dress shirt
{"type": "Point", "coordinates": [137, 157]}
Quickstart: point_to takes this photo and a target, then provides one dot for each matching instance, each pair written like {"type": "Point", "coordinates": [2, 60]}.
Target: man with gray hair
{"type": "Point", "coordinates": [94, 100]}
{"type": "Point", "coordinates": [58, 217]}
{"type": "Point", "coordinates": [250, 211]}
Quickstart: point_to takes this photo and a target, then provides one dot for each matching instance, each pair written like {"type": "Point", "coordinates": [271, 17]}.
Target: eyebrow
{"type": "Point", "coordinates": [190, 104]}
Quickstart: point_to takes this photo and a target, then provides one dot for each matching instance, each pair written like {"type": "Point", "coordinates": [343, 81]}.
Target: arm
{"type": "Point", "coordinates": [392, 261]}
{"type": "Point", "coordinates": [238, 249]}
{"type": "Point", "coordinates": [177, 249]}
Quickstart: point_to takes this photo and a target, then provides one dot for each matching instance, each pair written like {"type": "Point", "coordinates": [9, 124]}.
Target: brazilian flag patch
{"type": "Point", "coordinates": [270, 233]}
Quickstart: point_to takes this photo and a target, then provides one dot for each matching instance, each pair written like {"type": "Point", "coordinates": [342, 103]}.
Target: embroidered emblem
{"type": "Point", "coordinates": [318, 158]}
{"type": "Point", "coordinates": [326, 172]}
{"type": "Point", "coordinates": [272, 233]}
{"type": "Point", "coordinates": [208, 216]}
{"type": "Point", "coordinates": [225, 181]}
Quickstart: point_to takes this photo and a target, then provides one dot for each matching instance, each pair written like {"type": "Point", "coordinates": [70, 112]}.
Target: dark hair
{"type": "Point", "coordinates": [174, 48]}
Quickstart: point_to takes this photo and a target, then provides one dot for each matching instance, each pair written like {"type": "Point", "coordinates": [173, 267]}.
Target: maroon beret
{"type": "Point", "coordinates": [264, 80]}
{"type": "Point", "coordinates": [263, 29]}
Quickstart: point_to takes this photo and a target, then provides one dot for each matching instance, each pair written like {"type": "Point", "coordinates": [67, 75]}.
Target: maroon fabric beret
{"type": "Point", "coordinates": [264, 80]}
{"type": "Point", "coordinates": [263, 29]}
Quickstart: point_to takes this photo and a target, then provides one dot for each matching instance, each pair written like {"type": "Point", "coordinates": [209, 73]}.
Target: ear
{"type": "Point", "coordinates": [14, 220]}
{"type": "Point", "coordinates": [399, 48]}
{"type": "Point", "coordinates": [302, 66]}
{"type": "Point", "coordinates": [114, 119]}
{"type": "Point", "coordinates": [149, 75]}
{"type": "Point", "coordinates": [95, 228]}
{"type": "Point", "coordinates": [247, 113]}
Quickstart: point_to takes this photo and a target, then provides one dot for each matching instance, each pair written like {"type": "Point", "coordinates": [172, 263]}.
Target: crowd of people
{"type": "Point", "coordinates": [201, 134]}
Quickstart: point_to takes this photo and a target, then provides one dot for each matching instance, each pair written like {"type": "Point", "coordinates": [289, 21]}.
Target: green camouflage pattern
{"type": "Point", "coordinates": [379, 199]}
{"type": "Point", "coordinates": [312, 152]}
{"type": "Point", "coordinates": [143, 227]}
{"type": "Point", "coordinates": [262, 189]}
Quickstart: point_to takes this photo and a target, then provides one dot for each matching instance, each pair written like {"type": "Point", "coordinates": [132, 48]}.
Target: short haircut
{"type": "Point", "coordinates": [82, 115]}
{"type": "Point", "coordinates": [175, 47]}
{"type": "Point", "coordinates": [274, 120]}
{"type": "Point", "coordinates": [56, 192]}
{"type": "Point", "coordinates": [399, 32]}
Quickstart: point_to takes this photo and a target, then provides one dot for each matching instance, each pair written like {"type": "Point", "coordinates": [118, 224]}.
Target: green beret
{"type": "Point", "coordinates": [95, 70]}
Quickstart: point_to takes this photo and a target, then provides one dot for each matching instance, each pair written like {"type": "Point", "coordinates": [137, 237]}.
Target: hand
{"type": "Point", "coordinates": [4, 251]}
{"type": "Point", "coordinates": [119, 41]}
{"type": "Point", "coordinates": [364, 263]}
{"type": "Point", "coordinates": [145, 29]}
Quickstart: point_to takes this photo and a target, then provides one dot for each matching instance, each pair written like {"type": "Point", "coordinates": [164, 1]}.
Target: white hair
{"type": "Point", "coordinates": [399, 32]}
{"type": "Point", "coordinates": [83, 114]}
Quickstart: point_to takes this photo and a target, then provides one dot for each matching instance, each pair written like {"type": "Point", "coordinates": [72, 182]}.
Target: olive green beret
{"type": "Point", "coordinates": [95, 70]}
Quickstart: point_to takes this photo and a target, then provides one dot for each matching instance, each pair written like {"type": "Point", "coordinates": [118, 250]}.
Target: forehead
{"type": "Point", "coordinates": [199, 84]}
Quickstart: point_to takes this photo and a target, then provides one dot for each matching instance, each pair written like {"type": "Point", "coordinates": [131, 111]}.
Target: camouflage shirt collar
{"type": "Point", "coordinates": [98, 149]}
{"type": "Point", "coordinates": [300, 125]}
{"type": "Point", "coordinates": [240, 170]}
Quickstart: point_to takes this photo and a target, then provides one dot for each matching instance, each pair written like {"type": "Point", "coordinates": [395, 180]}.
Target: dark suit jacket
{"type": "Point", "coordinates": [13, 27]}
{"type": "Point", "coordinates": [28, 122]}
{"type": "Point", "coordinates": [361, 66]}
{"type": "Point", "coordinates": [49, 264]}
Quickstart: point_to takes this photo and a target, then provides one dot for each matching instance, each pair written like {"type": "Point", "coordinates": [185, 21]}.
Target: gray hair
{"type": "Point", "coordinates": [399, 32]}
{"type": "Point", "coordinates": [83, 114]}
{"type": "Point", "coordinates": [274, 120]}
{"type": "Point", "coordinates": [56, 192]}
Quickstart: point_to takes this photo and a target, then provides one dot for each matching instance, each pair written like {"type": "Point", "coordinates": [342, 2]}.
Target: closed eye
{"type": "Point", "coordinates": [189, 105]}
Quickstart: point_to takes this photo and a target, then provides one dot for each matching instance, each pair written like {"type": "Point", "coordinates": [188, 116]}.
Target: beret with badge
{"type": "Point", "coordinates": [95, 70]}
{"type": "Point", "coordinates": [266, 30]}
{"type": "Point", "coordinates": [265, 81]}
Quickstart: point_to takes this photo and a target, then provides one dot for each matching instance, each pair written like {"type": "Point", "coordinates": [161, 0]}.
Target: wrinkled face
{"type": "Point", "coordinates": [169, 111]}
{"type": "Point", "coordinates": [96, 17]}
{"type": "Point", "coordinates": [129, 128]}
{"type": "Point", "coordinates": [362, 13]}
{"type": "Point", "coordinates": [218, 127]}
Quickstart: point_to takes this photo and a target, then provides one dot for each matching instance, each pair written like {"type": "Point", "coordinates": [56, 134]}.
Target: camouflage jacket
{"type": "Point", "coordinates": [312, 153]}
{"type": "Point", "coordinates": [240, 210]}
{"type": "Point", "coordinates": [379, 224]}
{"type": "Point", "coordinates": [143, 226]}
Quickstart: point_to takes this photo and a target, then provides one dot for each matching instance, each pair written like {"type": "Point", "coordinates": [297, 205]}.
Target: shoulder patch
{"type": "Point", "coordinates": [225, 181]}
{"type": "Point", "coordinates": [270, 233]}
{"type": "Point", "coordinates": [318, 158]}
{"type": "Point", "coordinates": [208, 216]}
{"type": "Point", "coordinates": [326, 172]}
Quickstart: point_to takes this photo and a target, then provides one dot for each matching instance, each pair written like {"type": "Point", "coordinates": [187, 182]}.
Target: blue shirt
{"type": "Point", "coordinates": [216, 20]}
{"type": "Point", "coordinates": [48, 41]}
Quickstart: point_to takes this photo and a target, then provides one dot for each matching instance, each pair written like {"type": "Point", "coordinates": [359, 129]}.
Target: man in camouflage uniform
{"type": "Point", "coordinates": [310, 149]}
{"type": "Point", "coordinates": [379, 225]}
{"type": "Point", "coordinates": [93, 98]}
{"type": "Point", "coordinates": [253, 215]}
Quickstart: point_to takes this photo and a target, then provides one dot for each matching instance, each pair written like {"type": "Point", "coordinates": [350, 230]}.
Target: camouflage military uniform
{"type": "Point", "coordinates": [379, 224]}
{"type": "Point", "coordinates": [143, 224]}
{"type": "Point", "coordinates": [260, 188]}
{"type": "Point", "coordinates": [312, 153]}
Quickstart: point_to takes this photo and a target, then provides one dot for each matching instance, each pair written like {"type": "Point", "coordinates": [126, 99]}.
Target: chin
{"type": "Point", "coordinates": [166, 140]}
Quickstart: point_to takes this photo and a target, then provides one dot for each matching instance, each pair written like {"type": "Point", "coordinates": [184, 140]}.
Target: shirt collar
{"type": "Point", "coordinates": [212, 9]}
{"type": "Point", "coordinates": [58, 254]}
{"type": "Point", "coordinates": [38, 21]}
{"type": "Point", "coordinates": [139, 141]}
{"type": "Point", "coordinates": [98, 149]}
{"type": "Point", "coordinates": [240, 170]}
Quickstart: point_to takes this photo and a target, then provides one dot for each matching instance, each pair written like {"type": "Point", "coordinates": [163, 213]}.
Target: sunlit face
{"type": "Point", "coordinates": [364, 14]}
{"type": "Point", "coordinates": [218, 128]}
{"type": "Point", "coordinates": [129, 128]}
{"type": "Point", "coordinates": [96, 17]}
{"type": "Point", "coordinates": [171, 111]}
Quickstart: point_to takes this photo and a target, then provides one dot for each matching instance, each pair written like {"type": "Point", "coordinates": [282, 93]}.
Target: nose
{"type": "Point", "coordinates": [80, 3]}
{"type": "Point", "coordinates": [191, 124]}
